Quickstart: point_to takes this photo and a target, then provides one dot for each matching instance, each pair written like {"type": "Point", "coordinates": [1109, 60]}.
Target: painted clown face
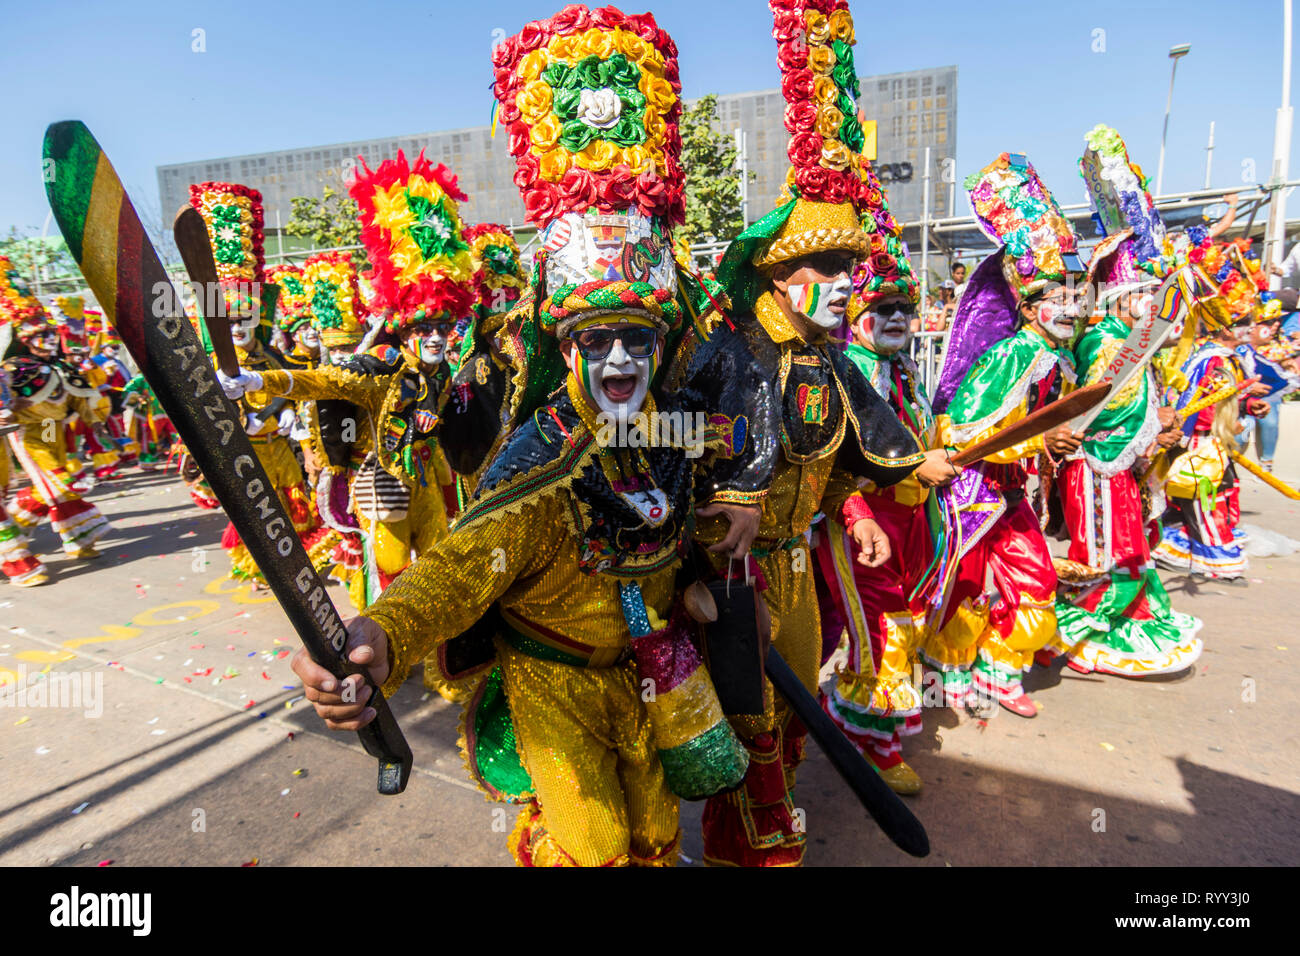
{"type": "Point", "coordinates": [1058, 312]}
{"type": "Point", "coordinates": [885, 327]}
{"type": "Point", "coordinates": [243, 330]}
{"type": "Point", "coordinates": [427, 341]}
{"type": "Point", "coordinates": [308, 338]}
{"type": "Point", "coordinates": [614, 362]}
{"type": "Point", "coordinates": [43, 344]}
{"type": "Point", "coordinates": [818, 288]}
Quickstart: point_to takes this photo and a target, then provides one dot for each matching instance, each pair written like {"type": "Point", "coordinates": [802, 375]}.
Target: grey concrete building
{"type": "Point", "coordinates": [911, 110]}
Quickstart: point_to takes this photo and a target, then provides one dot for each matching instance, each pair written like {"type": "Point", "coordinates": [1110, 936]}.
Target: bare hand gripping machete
{"type": "Point", "coordinates": [104, 235]}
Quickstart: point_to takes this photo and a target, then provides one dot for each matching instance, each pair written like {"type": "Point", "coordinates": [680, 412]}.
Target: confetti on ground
{"type": "Point", "coordinates": [44, 750]}
{"type": "Point", "coordinates": [158, 681]}
{"type": "Point", "coordinates": [300, 772]}
{"type": "Point", "coordinates": [297, 814]}
{"type": "Point", "coordinates": [152, 722]}
{"type": "Point", "coordinates": [275, 641]}
{"type": "Point", "coordinates": [80, 808]}
{"type": "Point", "coordinates": [426, 696]}
{"type": "Point", "coordinates": [230, 647]}
{"type": "Point", "coordinates": [290, 703]}
{"type": "Point", "coordinates": [291, 735]}
{"type": "Point", "coordinates": [288, 687]}
{"type": "Point", "coordinates": [252, 862]}
{"type": "Point", "coordinates": [1281, 647]}
{"type": "Point", "coordinates": [203, 673]}
{"type": "Point", "coordinates": [250, 705]}
{"type": "Point", "coordinates": [284, 653]}
{"type": "Point", "coordinates": [284, 792]}
{"type": "Point", "coordinates": [1106, 746]}
{"type": "Point", "coordinates": [264, 676]}
{"type": "Point", "coordinates": [104, 863]}
{"type": "Point", "coordinates": [195, 647]}
{"type": "Point", "coordinates": [251, 654]}
{"type": "Point", "coordinates": [157, 733]}
{"type": "Point", "coordinates": [21, 720]}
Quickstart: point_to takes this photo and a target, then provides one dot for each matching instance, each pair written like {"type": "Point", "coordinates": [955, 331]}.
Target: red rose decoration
{"type": "Point", "coordinates": [607, 17]}
{"type": "Point", "coordinates": [797, 86]}
{"type": "Point", "coordinates": [666, 45]}
{"type": "Point", "coordinates": [541, 203]}
{"type": "Point", "coordinates": [532, 36]}
{"type": "Point", "coordinates": [644, 26]}
{"type": "Point", "coordinates": [577, 188]}
{"type": "Point", "coordinates": [801, 117]}
{"type": "Point", "coordinates": [518, 138]}
{"type": "Point", "coordinates": [509, 112]}
{"type": "Point", "coordinates": [504, 53]}
{"type": "Point", "coordinates": [653, 193]}
{"type": "Point", "coordinates": [805, 149]}
{"type": "Point", "coordinates": [572, 18]}
{"type": "Point", "coordinates": [618, 191]}
{"type": "Point", "coordinates": [792, 56]}
{"type": "Point", "coordinates": [882, 264]}
{"type": "Point", "coordinates": [672, 75]}
{"type": "Point", "coordinates": [526, 171]}
{"type": "Point", "coordinates": [837, 188]}
{"type": "Point", "coordinates": [812, 181]}
{"type": "Point", "coordinates": [786, 25]}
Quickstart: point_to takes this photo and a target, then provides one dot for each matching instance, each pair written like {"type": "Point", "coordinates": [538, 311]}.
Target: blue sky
{"type": "Point", "coordinates": [277, 75]}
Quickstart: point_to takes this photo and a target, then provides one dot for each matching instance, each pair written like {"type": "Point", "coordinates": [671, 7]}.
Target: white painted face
{"type": "Point", "coordinates": [309, 338]}
{"type": "Point", "coordinates": [243, 331]}
{"type": "Point", "coordinates": [616, 380]}
{"type": "Point", "coordinates": [822, 303]}
{"type": "Point", "coordinates": [1057, 314]}
{"type": "Point", "coordinates": [886, 328]}
{"type": "Point", "coordinates": [340, 355]}
{"type": "Point", "coordinates": [432, 347]}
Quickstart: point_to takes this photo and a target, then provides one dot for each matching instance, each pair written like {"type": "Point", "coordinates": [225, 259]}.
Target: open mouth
{"type": "Point", "coordinates": [619, 388]}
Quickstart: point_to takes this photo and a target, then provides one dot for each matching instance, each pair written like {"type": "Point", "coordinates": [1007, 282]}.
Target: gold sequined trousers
{"type": "Point", "coordinates": [584, 737]}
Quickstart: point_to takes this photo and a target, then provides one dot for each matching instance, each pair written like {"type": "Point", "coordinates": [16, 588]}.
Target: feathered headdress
{"type": "Point", "coordinates": [411, 227]}
{"type": "Point", "coordinates": [592, 100]}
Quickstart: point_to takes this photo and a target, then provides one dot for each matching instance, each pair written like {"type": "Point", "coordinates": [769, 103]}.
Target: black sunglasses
{"type": "Point", "coordinates": [890, 309]}
{"type": "Point", "coordinates": [595, 344]}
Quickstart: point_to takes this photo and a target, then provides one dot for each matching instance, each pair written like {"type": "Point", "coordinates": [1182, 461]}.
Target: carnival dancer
{"type": "Point", "coordinates": [47, 394]}
{"type": "Point", "coordinates": [1007, 355]}
{"type": "Point", "coordinates": [879, 607]}
{"type": "Point", "coordinates": [805, 426]}
{"type": "Point", "coordinates": [105, 354]}
{"type": "Point", "coordinates": [575, 529]}
{"type": "Point", "coordinates": [481, 402]}
{"type": "Point", "coordinates": [1200, 534]}
{"type": "Point", "coordinates": [84, 437]}
{"type": "Point", "coordinates": [233, 216]}
{"type": "Point", "coordinates": [1112, 611]}
{"type": "Point", "coordinates": [424, 276]}
{"type": "Point", "coordinates": [20, 566]}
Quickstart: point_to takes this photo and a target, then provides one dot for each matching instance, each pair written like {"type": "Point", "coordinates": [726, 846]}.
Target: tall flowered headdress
{"type": "Point", "coordinates": [71, 322]}
{"type": "Point", "coordinates": [1037, 248]}
{"type": "Point", "coordinates": [18, 307]}
{"type": "Point", "coordinates": [1134, 250]}
{"type": "Point", "coordinates": [332, 299]}
{"type": "Point", "coordinates": [1228, 274]}
{"type": "Point", "coordinates": [421, 266]}
{"type": "Point", "coordinates": [886, 270]}
{"type": "Point", "coordinates": [500, 274]}
{"type": "Point", "coordinates": [234, 218]}
{"type": "Point", "coordinates": [292, 308]}
{"type": "Point", "coordinates": [831, 201]}
{"type": "Point", "coordinates": [592, 101]}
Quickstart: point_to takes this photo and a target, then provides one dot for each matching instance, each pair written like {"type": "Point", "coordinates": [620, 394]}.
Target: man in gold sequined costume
{"type": "Point", "coordinates": [812, 428]}
{"type": "Point", "coordinates": [555, 592]}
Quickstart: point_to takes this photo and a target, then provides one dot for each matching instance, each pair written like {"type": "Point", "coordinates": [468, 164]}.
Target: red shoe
{"type": "Point", "coordinates": [1083, 667]}
{"type": "Point", "coordinates": [1021, 706]}
{"type": "Point", "coordinates": [1044, 658]}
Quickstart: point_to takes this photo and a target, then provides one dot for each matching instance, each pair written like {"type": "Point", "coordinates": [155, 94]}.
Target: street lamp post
{"type": "Point", "coordinates": [1275, 237]}
{"type": "Point", "coordinates": [1175, 53]}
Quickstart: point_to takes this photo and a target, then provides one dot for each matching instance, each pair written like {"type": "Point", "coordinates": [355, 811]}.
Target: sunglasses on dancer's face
{"type": "Point", "coordinates": [595, 344]}
{"type": "Point", "coordinates": [888, 310]}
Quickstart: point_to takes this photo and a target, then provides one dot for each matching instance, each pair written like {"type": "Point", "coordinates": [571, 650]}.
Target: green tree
{"type": "Point", "coordinates": [329, 222]}
{"type": "Point", "coordinates": [47, 260]}
{"type": "Point", "coordinates": [712, 187]}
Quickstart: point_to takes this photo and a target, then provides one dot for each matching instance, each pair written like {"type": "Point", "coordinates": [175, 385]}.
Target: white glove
{"type": "Point", "coordinates": [253, 424]}
{"type": "Point", "coordinates": [236, 386]}
{"type": "Point", "coordinates": [288, 418]}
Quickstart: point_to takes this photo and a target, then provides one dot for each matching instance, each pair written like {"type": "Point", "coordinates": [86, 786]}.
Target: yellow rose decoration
{"type": "Point", "coordinates": [595, 43]}
{"type": "Point", "coordinates": [821, 59]}
{"type": "Point", "coordinates": [531, 66]}
{"type": "Point", "coordinates": [835, 155]}
{"type": "Point", "coordinates": [825, 91]}
{"type": "Point", "coordinates": [598, 155]}
{"type": "Point", "coordinates": [534, 100]}
{"type": "Point", "coordinates": [819, 28]}
{"type": "Point", "coordinates": [545, 133]}
{"type": "Point", "coordinates": [631, 45]}
{"type": "Point", "coordinates": [841, 26]}
{"type": "Point", "coordinates": [829, 120]}
{"type": "Point", "coordinates": [553, 164]}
